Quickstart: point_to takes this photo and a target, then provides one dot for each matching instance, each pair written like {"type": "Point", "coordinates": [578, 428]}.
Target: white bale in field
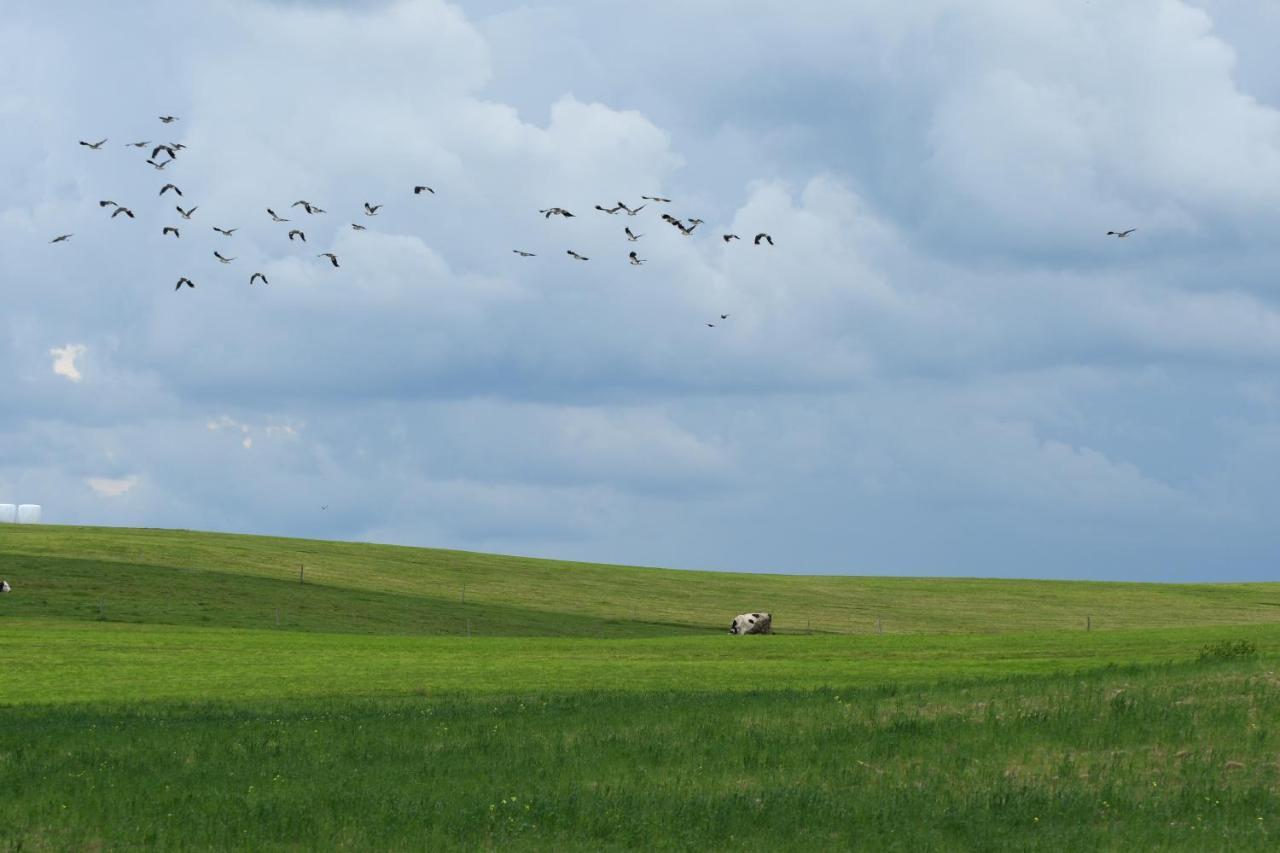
{"type": "Point", "coordinates": [8, 513]}
{"type": "Point", "coordinates": [752, 623]}
{"type": "Point", "coordinates": [29, 513]}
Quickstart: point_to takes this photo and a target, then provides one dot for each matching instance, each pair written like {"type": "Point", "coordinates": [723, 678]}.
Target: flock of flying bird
{"type": "Point", "coordinates": [170, 152]}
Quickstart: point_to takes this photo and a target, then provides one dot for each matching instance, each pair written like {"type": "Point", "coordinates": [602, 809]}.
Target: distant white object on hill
{"type": "Point", "coordinates": [752, 623]}
{"type": "Point", "coordinates": [4, 587]}
{"type": "Point", "coordinates": [29, 513]}
{"type": "Point", "coordinates": [8, 514]}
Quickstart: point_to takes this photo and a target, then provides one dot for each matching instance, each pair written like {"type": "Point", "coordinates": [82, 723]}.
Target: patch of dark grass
{"type": "Point", "coordinates": [1228, 650]}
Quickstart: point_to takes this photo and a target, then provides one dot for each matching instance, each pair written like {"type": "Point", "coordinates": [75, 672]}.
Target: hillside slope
{"type": "Point", "coordinates": [222, 580]}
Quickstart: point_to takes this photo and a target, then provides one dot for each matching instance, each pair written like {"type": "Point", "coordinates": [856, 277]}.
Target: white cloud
{"type": "Point", "coordinates": [64, 361]}
{"type": "Point", "coordinates": [112, 487]}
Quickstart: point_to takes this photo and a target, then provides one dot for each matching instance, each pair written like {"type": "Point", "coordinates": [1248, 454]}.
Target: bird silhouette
{"type": "Point", "coordinates": [574, 254]}
{"type": "Point", "coordinates": [168, 187]}
{"type": "Point", "coordinates": [94, 145]}
{"type": "Point", "coordinates": [169, 229]}
{"type": "Point", "coordinates": [1121, 234]}
{"type": "Point", "coordinates": [62, 238]}
{"type": "Point", "coordinates": [184, 280]}
{"type": "Point", "coordinates": [524, 254]}
{"type": "Point", "coordinates": [763, 236]}
{"type": "Point", "coordinates": [296, 233]}
{"type": "Point", "coordinates": [258, 275]}
{"type": "Point", "coordinates": [333, 259]}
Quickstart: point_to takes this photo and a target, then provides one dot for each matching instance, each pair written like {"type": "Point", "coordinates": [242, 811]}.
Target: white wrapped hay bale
{"type": "Point", "coordinates": [8, 513]}
{"type": "Point", "coordinates": [752, 623]}
{"type": "Point", "coordinates": [29, 513]}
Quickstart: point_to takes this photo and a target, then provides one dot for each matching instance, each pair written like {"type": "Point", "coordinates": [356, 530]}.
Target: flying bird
{"type": "Point", "coordinates": [168, 187]}
{"type": "Point", "coordinates": [635, 260]}
{"type": "Point", "coordinates": [168, 149]}
{"type": "Point", "coordinates": [763, 236]}
{"type": "Point", "coordinates": [686, 231]}
{"type": "Point", "coordinates": [524, 254]}
{"type": "Point", "coordinates": [275, 217]}
{"type": "Point", "coordinates": [225, 232]}
{"type": "Point", "coordinates": [158, 166]}
{"type": "Point", "coordinates": [724, 316]}
{"type": "Point", "coordinates": [143, 144]}
{"type": "Point", "coordinates": [177, 146]}
{"type": "Point", "coordinates": [711, 325]}
{"type": "Point", "coordinates": [296, 233]}
{"type": "Point", "coordinates": [420, 189]}
{"type": "Point", "coordinates": [333, 259]}
{"type": "Point", "coordinates": [62, 238]}
{"type": "Point", "coordinates": [308, 207]}
{"type": "Point", "coordinates": [94, 145]}
{"type": "Point", "coordinates": [632, 211]}
{"type": "Point", "coordinates": [658, 199]}
{"type": "Point", "coordinates": [555, 211]}
{"type": "Point", "coordinates": [184, 280]}
{"type": "Point", "coordinates": [371, 209]}
{"type": "Point", "coordinates": [186, 214]}
{"type": "Point", "coordinates": [169, 229]}
{"type": "Point", "coordinates": [695, 221]}
{"type": "Point", "coordinates": [219, 256]}
{"type": "Point", "coordinates": [1121, 234]}
{"type": "Point", "coordinates": [168, 119]}
{"type": "Point", "coordinates": [355, 227]}
{"type": "Point", "coordinates": [105, 203]}
{"type": "Point", "coordinates": [258, 275]}
{"type": "Point", "coordinates": [119, 210]}
{"type": "Point", "coordinates": [729, 237]}
{"type": "Point", "coordinates": [574, 254]}
{"type": "Point", "coordinates": [630, 236]}
{"type": "Point", "coordinates": [609, 209]}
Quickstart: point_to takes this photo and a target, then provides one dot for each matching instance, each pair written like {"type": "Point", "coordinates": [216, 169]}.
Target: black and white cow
{"type": "Point", "coordinates": [752, 623]}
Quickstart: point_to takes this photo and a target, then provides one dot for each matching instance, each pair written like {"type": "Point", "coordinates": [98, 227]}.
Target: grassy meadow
{"type": "Point", "coordinates": [170, 690]}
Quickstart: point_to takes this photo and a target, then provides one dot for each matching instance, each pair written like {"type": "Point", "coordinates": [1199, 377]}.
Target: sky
{"type": "Point", "coordinates": [942, 367]}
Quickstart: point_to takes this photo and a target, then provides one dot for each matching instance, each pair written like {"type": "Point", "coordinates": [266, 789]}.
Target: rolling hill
{"type": "Point", "coordinates": [169, 577]}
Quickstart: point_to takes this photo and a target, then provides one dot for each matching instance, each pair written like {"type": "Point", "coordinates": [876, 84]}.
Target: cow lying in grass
{"type": "Point", "coordinates": [752, 623]}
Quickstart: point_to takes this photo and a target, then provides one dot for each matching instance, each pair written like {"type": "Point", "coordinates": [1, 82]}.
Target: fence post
{"type": "Point", "coordinates": [300, 580]}
{"type": "Point", "coordinates": [1088, 623]}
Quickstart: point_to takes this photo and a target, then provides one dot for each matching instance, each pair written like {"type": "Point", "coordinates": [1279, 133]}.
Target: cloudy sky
{"type": "Point", "coordinates": [942, 367]}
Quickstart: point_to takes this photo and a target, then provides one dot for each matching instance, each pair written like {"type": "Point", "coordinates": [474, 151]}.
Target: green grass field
{"type": "Point", "coordinates": [168, 689]}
